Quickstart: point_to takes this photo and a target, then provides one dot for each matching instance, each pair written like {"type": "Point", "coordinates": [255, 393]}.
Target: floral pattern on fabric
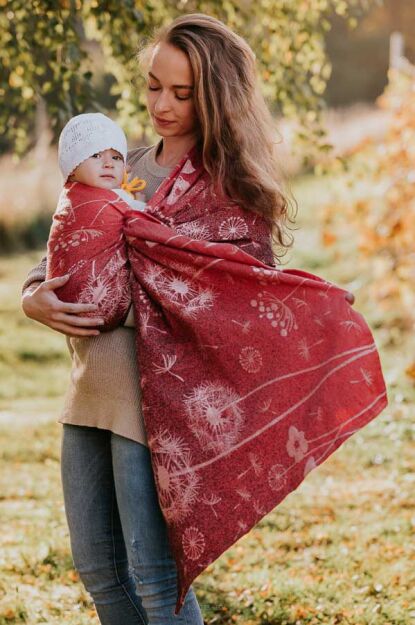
{"type": "Point", "coordinates": [251, 376]}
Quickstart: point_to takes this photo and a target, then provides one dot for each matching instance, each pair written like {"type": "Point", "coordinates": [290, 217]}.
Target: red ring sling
{"type": "Point", "coordinates": [251, 376]}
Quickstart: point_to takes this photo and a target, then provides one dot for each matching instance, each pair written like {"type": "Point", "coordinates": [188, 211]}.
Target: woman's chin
{"type": "Point", "coordinates": [164, 132]}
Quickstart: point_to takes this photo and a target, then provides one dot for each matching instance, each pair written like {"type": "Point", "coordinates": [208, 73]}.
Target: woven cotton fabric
{"type": "Point", "coordinates": [251, 376]}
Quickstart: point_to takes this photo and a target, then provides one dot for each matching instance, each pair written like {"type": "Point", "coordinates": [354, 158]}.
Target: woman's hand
{"type": "Point", "coordinates": [39, 302]}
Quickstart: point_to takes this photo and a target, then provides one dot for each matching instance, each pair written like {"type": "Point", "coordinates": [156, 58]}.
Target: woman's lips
{"type": "Point", "coordinates": [163, 122]}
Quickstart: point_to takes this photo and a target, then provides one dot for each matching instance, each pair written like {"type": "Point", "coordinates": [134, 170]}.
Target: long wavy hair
{"type": "Point", "coordinates": [237, 132]}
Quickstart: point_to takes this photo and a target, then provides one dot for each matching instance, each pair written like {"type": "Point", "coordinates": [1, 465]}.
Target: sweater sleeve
{"type": "Point", "coordinates": [36, 274]}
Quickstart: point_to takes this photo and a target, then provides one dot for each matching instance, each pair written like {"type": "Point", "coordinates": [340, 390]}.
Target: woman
{"type": "Point", "coordinates": [201, 90]}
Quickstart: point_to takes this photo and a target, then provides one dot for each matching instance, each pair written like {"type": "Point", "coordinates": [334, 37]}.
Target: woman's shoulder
{"type": "Point", "coordinates": [134, 155]}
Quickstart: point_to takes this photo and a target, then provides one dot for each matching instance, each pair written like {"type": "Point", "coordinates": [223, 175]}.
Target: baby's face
{"type": "Point", "coordinates": [104, 170]}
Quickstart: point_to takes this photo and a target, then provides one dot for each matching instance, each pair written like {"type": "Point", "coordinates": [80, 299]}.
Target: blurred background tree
{"type": "Point", "coordinates": [63, 57]}
{"type": "Point", "coordinates": [360, 56]}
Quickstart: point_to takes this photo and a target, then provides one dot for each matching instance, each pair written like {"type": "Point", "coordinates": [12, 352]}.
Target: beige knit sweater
{"type": "Point", "coordinates": [104, 389]}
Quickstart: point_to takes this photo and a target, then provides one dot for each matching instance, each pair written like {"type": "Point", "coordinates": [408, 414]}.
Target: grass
{"type": "Point", "coordinates": [33, 360]}
{"type": "Point", "coordinates": [340, 550]}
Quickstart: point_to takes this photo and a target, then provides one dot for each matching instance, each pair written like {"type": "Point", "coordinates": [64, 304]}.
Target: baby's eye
{"type": "Point", "coordinates": [97, 155]}
{"type": "Point", "coordinates": [117, 157]}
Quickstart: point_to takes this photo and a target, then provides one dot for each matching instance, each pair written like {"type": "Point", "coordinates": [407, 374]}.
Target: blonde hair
{"type": "Point", "coordinates": [236, 127]}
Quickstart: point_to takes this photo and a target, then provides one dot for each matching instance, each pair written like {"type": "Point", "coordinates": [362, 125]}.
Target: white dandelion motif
{"type": "Point", "coordinates": [233, 228]}
{"type": "Point", "coordinates": [265, 405]}
{"type": "Point", "coordinates": [145, 324]}
{"type": "Point", "coordinates": [297, 445]}
{"type": "Point", "coordinates": [180, 292]}
{"type": "Point", "coordinates": [166, 367]}
{"type": "Point", "coordinates": [317, 414]}
{"type": "Point", "coordinates": [276, 477]}
{"type": "Point", "coordinates": [193, 542]}
{"type": "Point", "coordinates": [214, 416]}
{"type": "Point", "coordinates": [109, 290]}
{"type": "Point", "coordinates": [242, 525]}
{"type": "Point", "coordinates": [278, 313]}
{"type": "Point", "coordinates": [300, 303]}
{"type": "Point", "coordinates": [244, 494]}
{"type": "Point", "coordinates": [76, 238]}
{"type": "Point", "coordinates": [74, 268]}
{"type": "Point", "coordinates": [178, 485]}
{"type": "Point", "coordinates": [304, 349]}
{"type": "Point", "coordinates": [246, 326]}
{"type": "Point", "coordinates": [97, 291]}
{"type": "Point", "coordinates": [266, 275]}
{"type": "Point", "coordinates": [319, 321]}
{"type": "Point", "coordinates": [154, 276]}
{"type": "Point", "coordinates": [367, 377]}
{"type": "Point", "coordinates": [194, 230]}
{"type": "Point", "coordinates": [250, 359]}
{"type": "Point", "coordinates": [212, 501]}
{"type": "Point", "coordinates": [200, 302]}
{"type": "Point", "coordinates": [254, 465]}
{"type": "Point", "coordinates": [260, 510]}
{"type": "Point", "coordinates": [323, 294]}
{"type": "Point", "coordinates": [350, 324]}
{"type": "Point", "coordinates": [177, 288]}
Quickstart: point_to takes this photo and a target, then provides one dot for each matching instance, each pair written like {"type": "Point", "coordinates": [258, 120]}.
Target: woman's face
{"type": "Point", "coordinates": [170, 92]}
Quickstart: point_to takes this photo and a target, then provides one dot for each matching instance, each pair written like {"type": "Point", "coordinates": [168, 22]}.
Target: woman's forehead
{"type": "Point", "coordinates": [170, 65]}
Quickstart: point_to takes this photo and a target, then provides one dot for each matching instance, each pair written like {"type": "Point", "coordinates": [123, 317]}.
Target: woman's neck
{"type": "Point", "coordinates": [173, 149]}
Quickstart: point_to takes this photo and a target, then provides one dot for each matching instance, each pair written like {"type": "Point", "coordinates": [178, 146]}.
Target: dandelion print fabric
{"type": "Point", "coordinates": [87, 241]}
{"type": "Point", "coordinates": [251, 376]}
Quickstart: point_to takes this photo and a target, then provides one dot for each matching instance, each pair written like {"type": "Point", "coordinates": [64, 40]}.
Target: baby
{"type": "Point", "coordinates": [93, 150]}
{"type": "Point", "coordinates": [87, 238]}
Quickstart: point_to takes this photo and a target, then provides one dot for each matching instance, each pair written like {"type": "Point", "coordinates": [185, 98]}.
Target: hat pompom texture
{"type": "Point", "coordinates": [85, 135]}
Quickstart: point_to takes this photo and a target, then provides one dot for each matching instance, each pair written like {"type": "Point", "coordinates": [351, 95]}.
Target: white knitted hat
{"type": "Point", "coordinates": [85, 135]}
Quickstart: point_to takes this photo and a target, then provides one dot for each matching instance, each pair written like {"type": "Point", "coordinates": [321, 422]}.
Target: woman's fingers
{"type": "Point", "coordinates": [54, 283]}
{"type": "Point", "coordinates": [72, 331]}
{"type": "Point", "coordinates": [76, 309]}
{"type": "Point", "coordinates": [75, 320]}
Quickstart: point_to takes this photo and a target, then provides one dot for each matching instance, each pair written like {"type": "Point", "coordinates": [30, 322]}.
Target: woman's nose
{"type": "Point", "coordinates": [162, 103]}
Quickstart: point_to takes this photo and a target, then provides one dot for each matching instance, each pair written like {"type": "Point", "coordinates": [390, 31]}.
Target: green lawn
{"type": "Point", "coordinates": [340, 550]}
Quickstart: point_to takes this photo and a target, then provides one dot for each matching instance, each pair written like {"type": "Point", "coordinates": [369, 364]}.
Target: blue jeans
{"type": "Point", "coordinates": [117, 531]}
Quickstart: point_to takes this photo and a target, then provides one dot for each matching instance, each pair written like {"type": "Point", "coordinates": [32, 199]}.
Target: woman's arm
{"type": "Point", "coordinates": [39, 302]}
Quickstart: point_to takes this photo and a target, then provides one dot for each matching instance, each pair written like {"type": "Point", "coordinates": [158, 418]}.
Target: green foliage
{"type": "Point", "coordinates": [44, 54]}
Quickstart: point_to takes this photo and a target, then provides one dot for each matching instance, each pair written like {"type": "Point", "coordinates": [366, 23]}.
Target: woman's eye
{"type": "Point", "coordinates": [153, 88]}
{"type": "Point", "coordinates": [187, 97]}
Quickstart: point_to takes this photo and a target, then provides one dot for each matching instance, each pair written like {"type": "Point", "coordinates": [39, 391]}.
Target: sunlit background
{"type": "Point", "coordinates": [340, 78]}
